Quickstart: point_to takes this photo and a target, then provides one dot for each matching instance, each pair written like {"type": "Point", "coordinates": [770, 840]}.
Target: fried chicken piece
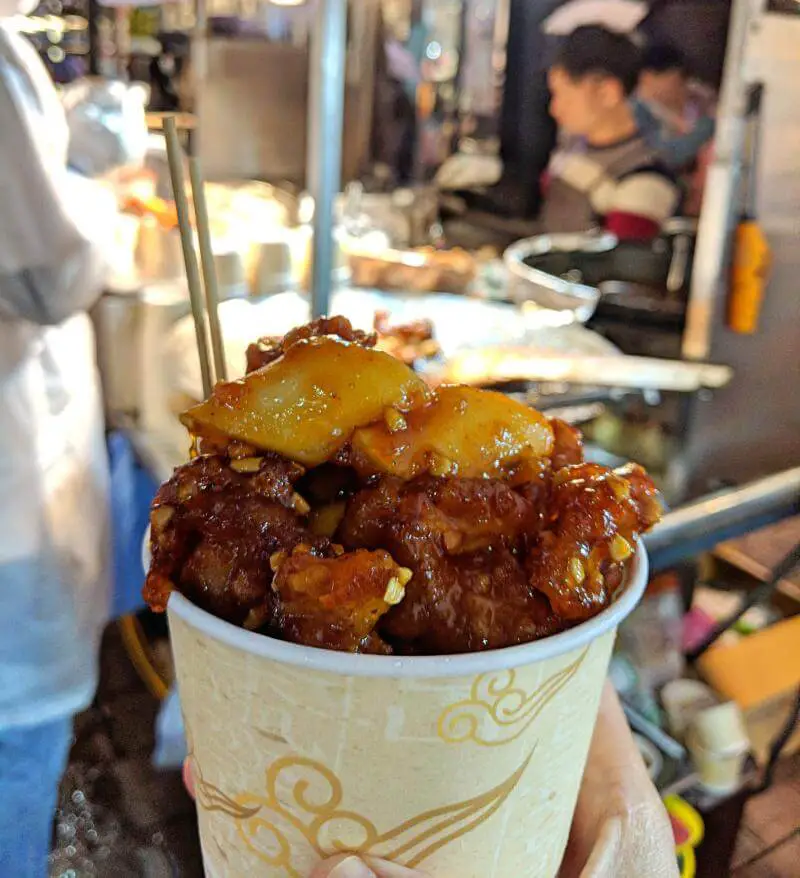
{"type": "Point", "coordinates": [336, 602]}
{"type": "Point", "coordinates": [568, 444]}
{"type": "Point", "coordinates": [458, 515]}
{"type": "Point", "coordinates": [593, 516]}
{"type": "Point", "coordinates": [214, 526]}
{"type": "Point", "coordinates": [263, 352]}
{"type": "Point", "coordinates": [268, 349]}
{"type": "Point", "coordinates": [476, 601]}
{"type": "Point", "coordinates": [472, 514]}
{"type": "Point", "coordinates": [412, 332]}
{"type": "Point", "coordinates": [461, 432]}
{"type": "Point", "coordinates": [409, 342]}
{"type": "Point", "coordinates": [306, 404]}
{"type": "Point", "coordinates": [461, 538]}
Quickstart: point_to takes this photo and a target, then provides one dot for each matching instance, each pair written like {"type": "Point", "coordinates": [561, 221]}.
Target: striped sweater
{"type": "Point", "coordinates": [623, 188]}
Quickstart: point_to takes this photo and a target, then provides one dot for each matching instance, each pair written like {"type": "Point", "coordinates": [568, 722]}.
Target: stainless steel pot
{"type": "Point", "coordinates": [559, 293]}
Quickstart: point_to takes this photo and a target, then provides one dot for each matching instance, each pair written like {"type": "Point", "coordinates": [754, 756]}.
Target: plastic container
{"type": "Point", "coordinates": [718, 742]}
{"type": "Point", "coordinates": [683, 700]}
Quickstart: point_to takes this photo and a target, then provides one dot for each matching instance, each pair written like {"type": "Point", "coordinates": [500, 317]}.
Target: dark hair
{"type": "Point", "coordinates": [596, 50]}
{"type": "Point", "coordinates": [661, 58]}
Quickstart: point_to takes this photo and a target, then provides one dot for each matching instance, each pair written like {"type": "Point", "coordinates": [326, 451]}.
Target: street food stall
{"type": "Point", "coordinates": [631, 342]}
{"type": "Point", "coordinates": [648, 300]}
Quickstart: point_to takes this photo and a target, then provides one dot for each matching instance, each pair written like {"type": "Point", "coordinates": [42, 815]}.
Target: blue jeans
{"type": "Point", "coordinates": [32, 760]}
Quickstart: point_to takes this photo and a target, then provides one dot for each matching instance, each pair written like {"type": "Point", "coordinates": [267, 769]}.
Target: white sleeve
{"type": "Point", "coordinates": [54, 225]}
{"type": "Point", "coordinates": [651, 195]}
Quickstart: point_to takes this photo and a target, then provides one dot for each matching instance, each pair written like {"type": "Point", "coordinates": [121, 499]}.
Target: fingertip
{"type": "Point", "coordinates": [343, 866]}
{"type": "Point", "coordinates": [385, 869]}
{"type": "Point", "coordinates": [188, 778]}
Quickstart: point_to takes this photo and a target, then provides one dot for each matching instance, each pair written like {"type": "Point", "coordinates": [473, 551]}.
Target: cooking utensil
{"type": "Point", "coordinates": [175, 157]}
{"type": "Point", "coordinates": [209, 267]}
{"type": "Point", "coordinates": [567, 293]}
{"type": "Point", "coordinates": [752, 254]}
{"type": "Point", "coordinates": [497, 365]}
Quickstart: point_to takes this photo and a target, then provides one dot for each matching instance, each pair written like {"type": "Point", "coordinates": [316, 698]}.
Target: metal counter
{"type": "Point", "coordinates": [699, 526]}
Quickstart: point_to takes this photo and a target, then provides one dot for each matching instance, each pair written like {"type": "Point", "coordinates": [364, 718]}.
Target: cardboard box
{"type": "Point", "coordinates": [761, 673]}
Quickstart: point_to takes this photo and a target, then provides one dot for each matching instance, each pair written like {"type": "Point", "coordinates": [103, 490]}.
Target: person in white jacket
{"type": "Point", "coordinates": [54, 522]}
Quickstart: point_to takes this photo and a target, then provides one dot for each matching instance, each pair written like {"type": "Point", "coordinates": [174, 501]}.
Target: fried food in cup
{"type": "Point", "coordinates": [338, 502]}
{"type": "Point", "coordinates": [337, 601]}
{"type": "Point", "coordinates": [306, 404]}
{"type": "Point", "coordinates": [462, 431]}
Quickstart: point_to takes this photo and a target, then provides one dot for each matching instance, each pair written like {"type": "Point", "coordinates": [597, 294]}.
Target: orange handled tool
{"type": "Point", "coordinates": [752, 257]}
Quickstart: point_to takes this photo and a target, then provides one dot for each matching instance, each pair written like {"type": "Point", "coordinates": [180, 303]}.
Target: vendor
{"type": "Point", "coordinates": [54, 588]}
{"type": "Point", "coordinates": [604, 173]}
{"type": "Point", "coordinates": [676, 123]}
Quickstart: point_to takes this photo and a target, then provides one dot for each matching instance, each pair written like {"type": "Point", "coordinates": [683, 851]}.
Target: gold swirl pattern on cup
{"type": "Point", "coordinates": [498, 711]}
{"type": "Point", "coordinates": [302, 809]}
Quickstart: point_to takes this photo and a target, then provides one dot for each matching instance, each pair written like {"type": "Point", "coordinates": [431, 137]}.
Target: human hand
{"type": "Point", "coordinates": [344, 865]}
{"type": "Point", "coordinates": [620, 828]}
{"type": "Point", "coordinates": [348, 866]}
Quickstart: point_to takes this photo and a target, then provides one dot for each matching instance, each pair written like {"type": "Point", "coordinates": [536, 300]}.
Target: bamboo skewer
{"type": "Point", "coordinates": [175, 159]}
{"type": "Point", "coordinates": [209, 269]}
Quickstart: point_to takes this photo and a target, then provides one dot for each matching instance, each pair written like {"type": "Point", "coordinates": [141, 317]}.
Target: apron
{"type": "Point", "coordinates": [54, 521]}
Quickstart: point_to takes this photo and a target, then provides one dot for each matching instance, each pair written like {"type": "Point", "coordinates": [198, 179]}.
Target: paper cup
{"type": "Point", "coordinates": [466, 766]}
{"type": "Point", "coordinates": [720, 771]}
{"type": "Point", "coordinates": [721, 728]}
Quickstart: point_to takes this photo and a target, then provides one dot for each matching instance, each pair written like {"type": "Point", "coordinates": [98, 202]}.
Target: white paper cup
{"type": "Point", "coordinates": [467, 766]}
{"type": "Point", "coordinates": [721, 728]}
{"type": "Point", "coordinates": [271, 268]}
{"type": "Point", "coordinates": [683, 700]}
{"type": "Point", "coordinates": [720, 771]}
{"type": "Point", "coordinates": [718, 741]}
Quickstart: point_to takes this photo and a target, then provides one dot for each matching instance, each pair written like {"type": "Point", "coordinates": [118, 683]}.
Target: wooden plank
{"type": "Point", "coordinates": [758, 552]}
{"type": "Point", "coordinates": [748, 847]}
{"type": "Point", "coordinates": [781, 862]}
{"type": "Point", "coordinates": [183, 121]}
{"type": "Point", "coordinates": [773, 816]}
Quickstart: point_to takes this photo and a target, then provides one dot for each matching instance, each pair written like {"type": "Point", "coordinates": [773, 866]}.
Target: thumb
{"type": "Point", "coordinates": [344, 866]}
{"type": "Point", "coordinates": [349, 866]}
{"type": "Point", "coordinates": [385, 869]}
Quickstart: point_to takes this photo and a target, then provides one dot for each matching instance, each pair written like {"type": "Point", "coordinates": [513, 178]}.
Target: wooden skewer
{"type": "Point", "coordinates": [175, 159]}
{"type": "Point", "coordinates": [209, 269]}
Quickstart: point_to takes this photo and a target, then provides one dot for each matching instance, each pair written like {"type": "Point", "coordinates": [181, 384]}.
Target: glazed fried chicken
{"type": "Point", "coordinates": [407, 342]}
{"type": "Point", "coordinates": [213, 530]}
{"type": "Point", "coordinates": [232, 535]}
{"type": "Point", "coordinates": [410, 342]}
{"type": "Point", "coordinates": [337, 601]}
{"type": "Point", "coordinates": [268, 349]}
{"type": "Point", "coordinates": [340, 502]}
{"type": "Point", "coordinates": [593, 515]}
{"type": "Point", "coordinates": [463, 541]}
{"type": "Point", "coordinates": [493, 565]}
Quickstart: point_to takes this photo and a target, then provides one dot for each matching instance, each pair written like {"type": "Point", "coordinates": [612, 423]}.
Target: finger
{"type": "Point", "coordinates": [614, 781]}
{"type": "Point", "coordinates": [188, 778]}
{"type": "Point", "coordinates": [385, 869]}
{"type": "Point", "coordinates": [619, 818]}
{"type": "Point", "coordinates": [343, 866]}
{"type": "Point", "coordinates": [605, 855]}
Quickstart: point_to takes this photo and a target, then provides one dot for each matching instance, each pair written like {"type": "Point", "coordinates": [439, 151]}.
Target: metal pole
{"type": "Point", "coordinates": [199, 71]}
{"type": "Point", "coordinates": [324, 157]}
{"type": "Point", "coordinates": [705, 519]}
{"type": "Point", "coordinates": [720, 203]}
{"type": "Point", "coordinates": [94, 12]}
